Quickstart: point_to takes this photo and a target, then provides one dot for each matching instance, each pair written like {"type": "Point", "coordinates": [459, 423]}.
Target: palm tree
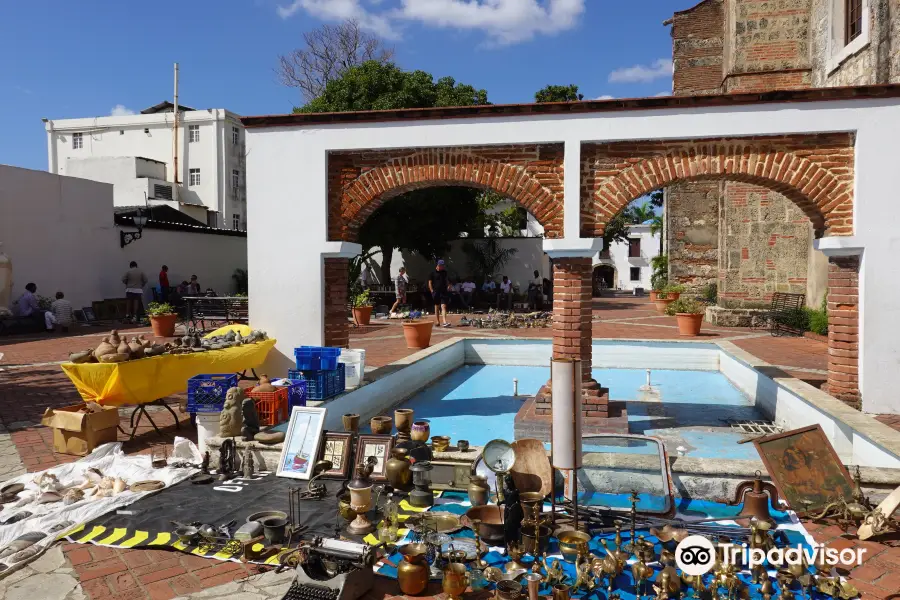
{"type": "Point", "coordinates": [640, 214]}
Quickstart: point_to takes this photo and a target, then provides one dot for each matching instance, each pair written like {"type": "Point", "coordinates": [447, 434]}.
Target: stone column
{"type": "Point", "coordinates": [572, 338]}
{"type": "Point", "coordinates": [843, 328]}
{"type": "Point", "coordinates": [337, 327]}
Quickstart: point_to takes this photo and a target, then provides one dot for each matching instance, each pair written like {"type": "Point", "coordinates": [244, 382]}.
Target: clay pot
{"type": "Point", "coordinates": [654, 294]}
{"type": "Point", "coordinates": [115, 357]}
{"type": "Point", "coordinates": [381, 425]}
{"type": "Point", "coordinates": [689, 324]}
{"type": "Point", "coordinates": [350, 422]}
{"type": "Point", "coordinates": [123, 348]}
{"type": "Point", "coordinates": [673, 295]}
{"type": "Point", "coordinates": [264, 385]}
{"type": "Point", "coordinates": [80, 357]}
{"type": "Point", "coordinates": [398, 471]}
{"type": "Point", "coordinates": [114, 338]}
{"type": "Point", "coordinates": [420, 431]}
{"type": "Point", "coordinates": [104, 348]}
{"type": "Point", "coordinates": [413, 572]}
{"type": "Point", "coordinates": [163, 325]}
{"type": "Point", "coordinates": [403, 418]}
{"type": "Point", "coordinates": [418, 334]}
{"type": "Point", "coordinates": [479, 490]}
{"type": "Point", "coordinates": [362, 315]}
{"type": "Point", "coordinates": [662, 304]}
{"type": "Point", "coordinates": [137, 351]}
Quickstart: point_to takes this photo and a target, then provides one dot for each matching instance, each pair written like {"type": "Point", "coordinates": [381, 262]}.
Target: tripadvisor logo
{"type": "Point", "coordinates": [696, 555]}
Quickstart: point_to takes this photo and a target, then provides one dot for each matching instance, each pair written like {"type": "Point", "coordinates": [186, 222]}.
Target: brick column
{"type": "Point", "coordinates": [572, 333]}
{"type": "Point", "coordinates": [843, 329]}
{"type": "Point", "coordinates": [337, 327]}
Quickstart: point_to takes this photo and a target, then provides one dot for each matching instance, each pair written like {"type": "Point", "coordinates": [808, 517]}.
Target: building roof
{"type": "Point", "coordinates": [165, 106]}
{"type": "Point", "coordinates": [587, 106]}
{"type": "Point", "coordinates": [166, 217]}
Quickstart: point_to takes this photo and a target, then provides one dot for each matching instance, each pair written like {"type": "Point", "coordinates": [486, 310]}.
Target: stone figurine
{"type": "Point", "coordinates": [204, 464]}
{"type": "Point", "coordinates": [247, 462]}
{"type": "Point", "coordinates": [230, 420]}
{"type": "Point", "coordinates": [251, 419]}
{"type": "Point", "coordinates": [226, 459]}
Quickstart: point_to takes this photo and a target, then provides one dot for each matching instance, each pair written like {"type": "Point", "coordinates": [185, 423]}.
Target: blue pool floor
{"type": "Point", "coordinates": [688, 409]}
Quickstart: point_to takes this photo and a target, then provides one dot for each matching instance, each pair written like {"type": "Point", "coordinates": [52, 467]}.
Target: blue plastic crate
{"type": "Point", "coordinates": [296, 393]}
{"type": "Point", "coordinates": [321, 384]}
{"type": "Point", "coordinates": [316, 358]}
{"type": "Point", "coordinates": [206, 393]}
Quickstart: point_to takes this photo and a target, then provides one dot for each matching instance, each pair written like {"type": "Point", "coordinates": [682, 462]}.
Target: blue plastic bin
{"type": "Point", "coordinates": [296, 393]}
{"type": "Point", "coordinates": [206, 393]}
{"type": "Point", "coordinates": [316, 358]}
{"type": "Point", "coordinates": [321, 384]}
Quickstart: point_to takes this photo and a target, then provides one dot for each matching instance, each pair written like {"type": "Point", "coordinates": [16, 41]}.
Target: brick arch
{"type": "Point", "coordinates": [531, 176]}
{"type": "Point", "coordinates": [819, 183]}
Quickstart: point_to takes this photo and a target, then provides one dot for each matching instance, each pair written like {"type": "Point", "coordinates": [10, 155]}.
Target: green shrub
{"type": "Point", "coordinates": [660, 277]}
{"type": "Point", "coordinates": [817, 319]}
{"type": "Point", "coordinates": [674, 289]}
{"type": "Point", "coordinates": [361, 299]}
{"type": "Point", "coordinates": [711, 293]}
{"type": "Point", "coordinates": [155, 309]}
{"type": "Point", "coordinates": [685, 305]}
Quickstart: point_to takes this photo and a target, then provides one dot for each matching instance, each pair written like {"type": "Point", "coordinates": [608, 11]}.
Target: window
{"type": "Point", "coordinates": [235, 135]}
{"type": "Point", "coordinates": [634, 247]}
{"type": "Point", "coordinates": [77, 141]}
{"type": "Point", "coordinates": [853, 20]}
{"type": "Point", "coordinates": [212, 219]}
{"type": "Point", "coordinates": [236, 221]}
{"type": "Point", "coordinates": [235, 179]}
{"type": "Point", "coordinates": [635, 273]}
{"type": "Point", "coordinates": [194, 177]}
{"type": "Point", "coordinates": [193, 133]}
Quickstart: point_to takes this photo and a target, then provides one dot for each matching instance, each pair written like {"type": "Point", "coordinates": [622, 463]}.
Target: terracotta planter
{"type": "Point", "coordinates": [662, 304]}
{"type": "Point", "coordinates": [163, 325]}
{"type": "Point", "coordinates": [673, 295]}
{"type": "Point", "coordinates": [689, 324]}
{"type": "Point", "coordinates": [362, 315]}
{"type": "Point", "coordinates": [654, 294]}
{"type": "Point", "coordinates": [418, 334]}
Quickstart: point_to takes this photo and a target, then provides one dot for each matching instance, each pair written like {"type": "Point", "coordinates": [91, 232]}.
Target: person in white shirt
{"type": "Point", "coordinates": [505, 293]}
{"type": "Point", "coordinates": [61, 312]}
{"type": "Point", "coordinates": [536, 291]}
{"type": "Point", "coordinates": [468, 291]}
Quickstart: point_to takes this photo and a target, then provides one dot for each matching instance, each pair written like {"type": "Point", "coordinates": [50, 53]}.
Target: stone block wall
{"type": "Point", "coordinates": [698, 36]}
{"type": "Point", "coordinates": [692, 233]}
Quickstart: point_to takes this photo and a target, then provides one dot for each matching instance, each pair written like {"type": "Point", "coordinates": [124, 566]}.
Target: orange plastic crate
{"type": "Point", "coordinates": [272, 407]}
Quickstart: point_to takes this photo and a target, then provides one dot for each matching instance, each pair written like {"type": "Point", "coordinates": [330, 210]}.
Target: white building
{"type": "Point", "coordinates": [626, 265]}
{"type": "Point", "coordinates": [210, 159]}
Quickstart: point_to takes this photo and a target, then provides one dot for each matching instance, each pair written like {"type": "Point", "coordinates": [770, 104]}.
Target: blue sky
{"type": "Point", "coordinates": [84, 58]}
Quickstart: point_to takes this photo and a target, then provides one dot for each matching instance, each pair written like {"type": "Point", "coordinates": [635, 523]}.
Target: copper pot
{"type": "Point", "coordinates": [381, 425]}
{"type": "Point", "coordinates": [456, 580]}
{"type": "Point", "coordinates": [490, 523]}
{"type": "Point", "coordinates": [440, 443]}
{"type": "Point", "coordinates": [413, 572]}
{"type": "Point", "coordinates": [573, 545]}
{"type": "Point", "coordinates": [397, 469]}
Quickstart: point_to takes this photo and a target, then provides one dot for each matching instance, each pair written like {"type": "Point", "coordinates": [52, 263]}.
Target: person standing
{"type": "Point", "coordinates": [164, 284]}
{"type": "Point", "coordinates": [439, 286]}
{"type": "Point", "coordinates": [134, 280]}
{"type": "Point", "coordinates": [400, 285]}
{"type": "Point", "coordinates": [61, 311]}
{"type": "Point", "coordinates": [194, 287]}
{"type": "Point", "coordinates": [536, 291]}
{"type": "Point", "coordinates": [468, 292]}
{"type": "Point", "coordinates": [505, 293]}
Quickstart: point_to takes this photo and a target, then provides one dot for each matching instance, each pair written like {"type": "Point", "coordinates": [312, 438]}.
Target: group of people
{"type": "Point", "coordinates": [444, 292]}
{"type": "Point", "coordinates": [135, 281]}
{"type": "Point", "coordinates": [60, 314]}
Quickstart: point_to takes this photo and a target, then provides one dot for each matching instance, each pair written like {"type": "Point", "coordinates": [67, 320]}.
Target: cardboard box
{"type": "Point", "coordinates": [77, 432]}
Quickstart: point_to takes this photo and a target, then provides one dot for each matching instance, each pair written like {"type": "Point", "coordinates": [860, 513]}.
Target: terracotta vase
{"type": "Point", "coordinates": [418, 334]}
{"type": "Point", "coordinates": [163, 325]}
{"type": "Point", "coordinates": [413, 572]}
{"type": "Point", "coordinates": [362, 315]}
{"type": "Point", "coordinates": [654, 294]}
{"type": "Point", "coordinates": [398, 470]}
{"type": "Point", "coordinates": [420, 431]}
{"type": "Point", "coordinates": [689, 324]}
{"type": "Point", "coordinates": [662, 304]}
{"type": "Point", "coordinates": [350, 422]}
{"type": "Point", "coordinates": [381, 425]}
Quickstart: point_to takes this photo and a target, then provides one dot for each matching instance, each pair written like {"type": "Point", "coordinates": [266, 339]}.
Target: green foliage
{"type": "Point", "coordinates": [660, 277]}
{"type": "Point", "coordinates": [674, 289]}
{"type": "Point", "coordinates": [685, 305]}
{"type": "Point", "coordinates": [156, 309]}
{"type": "Point", "coordinates": [558, 93]}
{"type": "Point", "coordinates": [360, 299]}
{"type": "Point", "coordinates": [375, 85]}
{"type": "Point", "coordinates": [711, 293]}
{"type": "Point", "coordinates": [616, 230]}
{"type": "Point", "coordinates": [639, 214]}
{"type": "Point", "coordinates": [487, 257]}
{"type": "Point", "coordinates": [241, 281]}
{"type": "Point", "coordinates": [355, 269]}
{"type": "Point", "coordinates": [817, 319]}
{"type": "Point", "coordinates": [44, 303]}
{"type": "Point", "coordinates": [656, 199]}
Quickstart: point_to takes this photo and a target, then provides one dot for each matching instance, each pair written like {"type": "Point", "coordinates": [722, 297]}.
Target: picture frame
{"type": "Point", "coordinates": [301, 443]}
{"type": "Point", "coordinates": [89, 314]}
{"type": "Point", "coordinates": [804, 467]}
{"type": "Point", "coordinates": [380, 447]}
{"type": "Point", "coordinates": [336, 448]}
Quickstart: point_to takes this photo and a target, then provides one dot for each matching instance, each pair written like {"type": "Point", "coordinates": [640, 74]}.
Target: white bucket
{"type": "Point", "coordinates": [207, 427]}
{"type": "Point", "coordinates": [354, 366]}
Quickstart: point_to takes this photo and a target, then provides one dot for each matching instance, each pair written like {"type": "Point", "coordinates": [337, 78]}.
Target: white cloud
{"type": "Point", "coordinates": [643, 73]}
{"type": "Point", "coordinates": [604, 97]}
{"type": "Point", "coordinates": [119, 110]}
{"type": "Point", "coordinates": [504, 21]}
{"type": "Point", "coordinates": [661, 94]}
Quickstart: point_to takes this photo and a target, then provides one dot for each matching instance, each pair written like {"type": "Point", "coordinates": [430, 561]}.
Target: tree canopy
{"type": "Point", "coordinates": [558, 93]}
{"type": "Point", "coordinates": [375, 85]}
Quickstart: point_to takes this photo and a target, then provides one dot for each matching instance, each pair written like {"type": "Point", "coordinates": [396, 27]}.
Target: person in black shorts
{"type": "Point", "coordinates": [439, 286]}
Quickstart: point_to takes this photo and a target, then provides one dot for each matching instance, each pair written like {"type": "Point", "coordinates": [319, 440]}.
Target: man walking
{"type": "Point", "coordinates": [164, 284]}
{"type": "Point", "coordinates": [439, 286]}
{"type": "Point", "coordinates": [400, 285]}
{"type": "Point", "coordinates": [134, 280]}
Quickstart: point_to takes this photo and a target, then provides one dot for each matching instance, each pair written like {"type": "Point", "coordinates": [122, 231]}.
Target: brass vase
{"type": "Point", "coordinates": [420, 431]}
{"type": "Point", "coordinates": [456, 580]}
{"type": "Point", "coordinates": [350, 422]}
{"type": "Point", "coordinates": [403, 420]}
{"type": "Point", "coordinates": [440, 443]}
{"type": "Point", "coordinates": [413, 572]}
{"type": "Point", "coordinates": [398, 470]}
{"type": "Point", "coordinates": [479, 490]}
{"type": "Point", "coordinates": [381, 425]}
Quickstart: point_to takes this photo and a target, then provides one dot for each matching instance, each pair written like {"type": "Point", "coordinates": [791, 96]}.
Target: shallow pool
{"type": "Point", "coordinates": [688, 411]}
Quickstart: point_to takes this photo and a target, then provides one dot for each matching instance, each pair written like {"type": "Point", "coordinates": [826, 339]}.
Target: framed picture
{"type": "Point", "coordinates": [301, 444]}
{"type": "Point", "coordinates": [805, 468]}
{"type": "Point", "coordinates": [378, 446]}
{"type": "Point", "coordinates": [336, 448]}
{"type": "Point", "coordinates": [89, 314]}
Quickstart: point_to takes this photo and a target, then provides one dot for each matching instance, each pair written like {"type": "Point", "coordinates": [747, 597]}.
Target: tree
{"type": "Point", "coordinates": [506, 222]}
{"type": "Point", "coordinates": [375, 85]}
{"type": "Point", "coordinates": [328, 52]}
{"type": "Point", "coordinates": [616, 230]}
{"type": "Point", "coordinates": [558, 93]}
{"type": "Point", "coordinates": [656, 198]}
{"type": "Point", "coordinates": [639, 214]}
{"type": "Point", "coordinates": [487, 257]}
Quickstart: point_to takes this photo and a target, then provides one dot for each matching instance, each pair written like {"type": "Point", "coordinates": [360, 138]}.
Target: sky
{"type": "Point", "coordinates": [62, 59]}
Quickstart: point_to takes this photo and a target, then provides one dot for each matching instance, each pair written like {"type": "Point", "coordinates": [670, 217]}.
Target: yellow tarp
{"type": "Point", "coordinates": [149, 379]}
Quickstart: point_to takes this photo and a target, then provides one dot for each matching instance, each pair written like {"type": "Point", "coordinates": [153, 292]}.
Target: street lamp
{"type": "Point", "coordinates": [139, 220]}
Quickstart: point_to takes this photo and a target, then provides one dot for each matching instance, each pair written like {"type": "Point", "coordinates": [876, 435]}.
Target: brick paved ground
{"type": "Point", "coordinates": [26, 391]}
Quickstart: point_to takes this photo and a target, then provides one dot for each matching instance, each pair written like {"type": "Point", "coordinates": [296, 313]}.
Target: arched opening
{"type": "Point", "coordinates": [605, 279]}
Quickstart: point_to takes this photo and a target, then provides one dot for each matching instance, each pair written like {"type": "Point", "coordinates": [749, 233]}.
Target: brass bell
{"type": "Point", "coordinates": [756, 502]}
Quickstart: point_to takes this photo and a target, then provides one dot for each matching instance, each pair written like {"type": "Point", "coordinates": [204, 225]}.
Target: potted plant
{"type": "Point", "coordinates": [162, 318]}
{"type": "Point", "coordinates": [673, 291]}
{"type": "Point", "coordinates": [417, 331]}
{"type": "Point", "coordinates": [362, 308]}
{"type": "Point", "coordinates": [689, 314]}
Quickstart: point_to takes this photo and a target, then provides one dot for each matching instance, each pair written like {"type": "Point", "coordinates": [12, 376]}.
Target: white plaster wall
{"type": "Point", "coordinates": [287, 172]}
{"type": "Point", "coordinates": [121, 172]}
{"type": "Point", "coordinates": [619, 259]}
{"type": "Point", "coordinates": [58, 232]}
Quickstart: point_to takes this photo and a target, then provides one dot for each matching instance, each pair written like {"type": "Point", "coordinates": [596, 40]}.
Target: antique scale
{"type": "Point", "coordinates": [500, 457]}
